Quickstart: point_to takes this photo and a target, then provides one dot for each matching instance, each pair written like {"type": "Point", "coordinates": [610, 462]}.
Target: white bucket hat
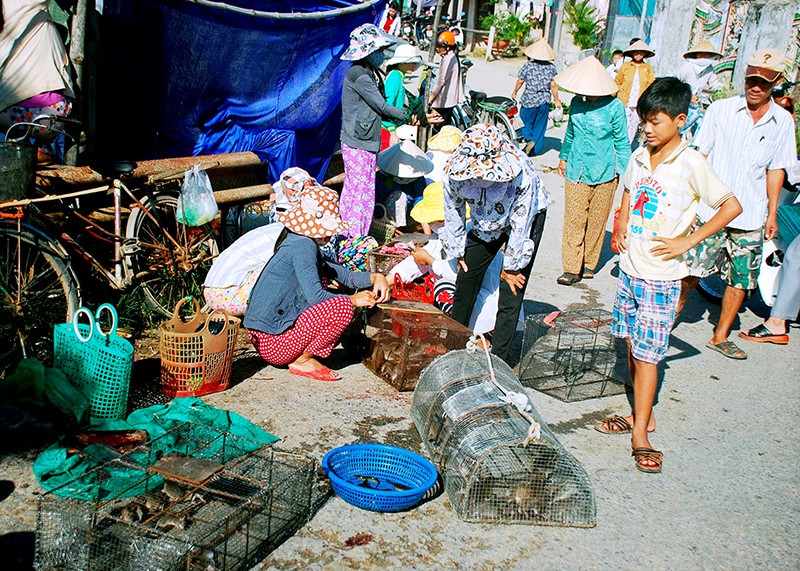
{"type": "Point", "coordinates": [364, 40]}
{"type": "Point", "coordinates": [404, 160]}
{"type": "Point", "coordinates": [404, 53]}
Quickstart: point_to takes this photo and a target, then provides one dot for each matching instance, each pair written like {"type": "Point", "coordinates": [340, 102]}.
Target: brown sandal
{"type": "Point", "coordinates": [615, 425]}
{"type": "Point", "coordinates": [648, 460]}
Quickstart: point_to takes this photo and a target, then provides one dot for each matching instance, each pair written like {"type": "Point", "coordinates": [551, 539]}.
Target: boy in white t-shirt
{"type": "Point", "coordinates": [663, 184]}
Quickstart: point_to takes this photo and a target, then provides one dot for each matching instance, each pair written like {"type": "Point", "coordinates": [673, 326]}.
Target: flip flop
{"type": "Point", "coordinates": [729, 349]}
{"type": "Point", "coordinates": [587, 274]}
{"type": "Point", "coordinates": [640, 455]}
{"type": "Point", "coordinates": [567, 279]}
{"type": "Point", "coordinates": [615, 425]}
{"type": "Point", "coordinates": [323, 374]}
{"type": "Point", "coordinates": [760, 334]}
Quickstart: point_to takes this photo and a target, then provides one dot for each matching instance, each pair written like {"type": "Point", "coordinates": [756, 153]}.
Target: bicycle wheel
{"type": "Point", "coordinates": [169, 260]}
{"type": "Point", "coordinates": [43, 293]}
{"type": "Point", "coordinates": [500, 120]}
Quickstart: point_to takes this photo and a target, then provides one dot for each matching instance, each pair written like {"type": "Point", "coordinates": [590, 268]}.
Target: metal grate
{"type": "Point", "coordinates": [572, 355]}
{"type": "Point", "coordinates": [223, 502]}
{"type": "Point", "coordinates": [478, 443]}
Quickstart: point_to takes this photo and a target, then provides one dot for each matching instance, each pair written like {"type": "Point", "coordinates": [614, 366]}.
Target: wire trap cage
{"type": "Point", "coordinates": [195, 498]}
{"type": "Point", "coordinates": [572, 355]}
{"type": "Point", "coordinates": [494, 470]}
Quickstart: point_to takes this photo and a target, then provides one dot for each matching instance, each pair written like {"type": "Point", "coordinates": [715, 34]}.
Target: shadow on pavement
{"type": "Point", "coordinates": [18, 550]}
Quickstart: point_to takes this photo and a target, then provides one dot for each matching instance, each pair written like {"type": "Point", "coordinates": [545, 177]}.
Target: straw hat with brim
{"type": "Point", "coordinates": [484, 153]}
{"type": "Point", "coordinates": [587, 77]}
{"type": "Point", "coordinates": [540, 50]}
{"type": "Point", "coordinates": [366, 39]}
{"type": "Point", "coordinates": [292, 181]}
{"type": "Point", "coordinates": [404, 160]}
{"type": "Point", "coordinates": [639, 46]}
{"type": "Point", "coordinates": [315, 215]}
{"type": "Point", "coordinates": [446, 140]}
{"type": "Point", "coordinates": [405, 53]}
{"type": "Point", "coordinates": [431, 207]}
{"type": "Point", "coordinates": [768, 64]}
{"type": "Point", "coordinates": [704, 47]}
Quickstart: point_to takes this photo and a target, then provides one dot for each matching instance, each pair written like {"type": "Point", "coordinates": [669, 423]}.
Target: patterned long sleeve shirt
{"type": "Point", "coordinates": [496, 209]}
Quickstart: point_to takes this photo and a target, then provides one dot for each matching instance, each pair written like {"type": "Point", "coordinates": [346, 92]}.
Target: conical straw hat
{"type": "Point", "coordinates": [703, 47]}
{"type": "Point", "coordinates": [404, 160]}
{"type": "Point", "coordinates": [540, 50]}
{"type": "Point", "coordinates": [587, 77]}
{"type": "Point", "coordinates": [639, 46]}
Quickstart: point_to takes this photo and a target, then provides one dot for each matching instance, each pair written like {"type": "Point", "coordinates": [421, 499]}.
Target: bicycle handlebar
{"type": "Point", "coordinates": [44, 122]}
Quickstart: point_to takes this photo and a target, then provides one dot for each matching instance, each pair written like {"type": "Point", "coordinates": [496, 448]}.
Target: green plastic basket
{"type": "Point", "coordinates": [97, 362]}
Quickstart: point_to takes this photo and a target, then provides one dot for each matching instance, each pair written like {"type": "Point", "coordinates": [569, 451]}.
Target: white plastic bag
{"type": "Point", "coordinates": [557, 114]}
{"type": "Point", "coordinates": [196, 203]}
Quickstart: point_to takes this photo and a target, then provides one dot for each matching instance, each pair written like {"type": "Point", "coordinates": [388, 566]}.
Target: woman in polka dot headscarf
{"type": "Point", "coordinates": [292, 319]}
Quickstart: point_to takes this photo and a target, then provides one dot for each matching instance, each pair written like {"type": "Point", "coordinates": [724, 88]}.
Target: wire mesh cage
{"type": "Point", "coordinates": [407, 341]}
{"type": "Point", "coordinates": [214, 501]}
{"type": "Point", "coordinates": [572, 355]}
{"type": "Point", "coordinates": [493, 471]}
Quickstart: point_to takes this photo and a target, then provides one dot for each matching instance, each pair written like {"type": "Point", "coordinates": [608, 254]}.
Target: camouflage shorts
{"type": "Point", "coordinates": [735, 254]}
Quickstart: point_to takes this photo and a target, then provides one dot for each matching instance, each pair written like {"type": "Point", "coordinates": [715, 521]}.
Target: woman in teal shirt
{"type": "Point", "coordinates": [594, 154]}
{"type": "Point", "coordinates": [405, 60]}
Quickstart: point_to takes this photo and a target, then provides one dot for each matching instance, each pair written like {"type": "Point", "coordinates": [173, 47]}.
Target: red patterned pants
{"type": "Point", "coordinates": [316, 331]}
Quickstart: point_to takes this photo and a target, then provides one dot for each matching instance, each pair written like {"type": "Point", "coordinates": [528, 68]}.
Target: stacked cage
{"type": "Point", "coordinates": [405, 342]}
{"type": "Point", "coordinates": [493, 470]}
{"type": "Point", "coordinates": [572, 355]}
{"type": "Point", "coordinates": [194, 498]}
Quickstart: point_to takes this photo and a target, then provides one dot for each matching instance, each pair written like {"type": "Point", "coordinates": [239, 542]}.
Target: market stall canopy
{"type": "Point", "coordinates": [187, 77]}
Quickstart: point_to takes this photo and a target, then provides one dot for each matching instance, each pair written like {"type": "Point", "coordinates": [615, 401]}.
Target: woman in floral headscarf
{"type": "Point", "coordinates": [508, 205]}
{"type": "Point", "coordinates": [363, 107]}
{"type": "Point", "coordinates": [292, 319]}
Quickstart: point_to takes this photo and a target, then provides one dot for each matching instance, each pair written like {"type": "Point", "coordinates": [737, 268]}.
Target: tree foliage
{"type": "Point", "coordinates": [584, 25]}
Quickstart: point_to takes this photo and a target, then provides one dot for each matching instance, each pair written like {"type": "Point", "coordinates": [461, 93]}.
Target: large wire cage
{"type": "Point", "coordinates": [214, 501]}
{"type": "Point", "coordinates": [572, 355]}
{"type": "Point", "coordinates": [494, 469]}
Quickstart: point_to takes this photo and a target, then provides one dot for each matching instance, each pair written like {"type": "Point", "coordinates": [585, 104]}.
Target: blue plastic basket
{"type": "Point", "coordinates": [377, 477]}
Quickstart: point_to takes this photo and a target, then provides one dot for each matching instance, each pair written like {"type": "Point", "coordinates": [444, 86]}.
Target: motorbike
{"type": "Point", "coordinates": [454, 25]}
{"type": "Point", "coordinates": [407, 32]}
{"type": "Point", "coordinates": [781, 96]}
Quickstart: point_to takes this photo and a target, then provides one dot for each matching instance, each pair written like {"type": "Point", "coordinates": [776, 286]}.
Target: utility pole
{"type": "Point", "coordinates": [613, 10]}
{"type": "Point", "coordinates": [645, 5]}
{"type": "Point", "coordinates": [422, 135]}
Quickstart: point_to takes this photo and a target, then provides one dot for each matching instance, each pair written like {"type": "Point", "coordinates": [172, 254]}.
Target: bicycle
{"type": "Point", "coordinates": [499, 111]}
{"type": "Point", "coordinates": [39, 283]}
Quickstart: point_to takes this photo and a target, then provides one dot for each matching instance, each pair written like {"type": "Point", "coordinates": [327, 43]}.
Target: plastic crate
{"type": "Point", "coordinates": [572, 355]}
{"type": "Point", "coordinates": [406, 342]}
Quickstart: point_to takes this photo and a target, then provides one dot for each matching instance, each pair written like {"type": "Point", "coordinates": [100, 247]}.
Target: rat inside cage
{"type": "Point", "coordinates": [481, 442]}
{"type": "Point", "coordinates": [572, 355]}
{"type": "Point", "coordinates": [193, 498]}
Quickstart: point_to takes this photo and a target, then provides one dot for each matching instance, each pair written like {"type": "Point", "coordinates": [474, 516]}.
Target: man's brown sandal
{"type": "Point", "coordinates": [615, 425]}
{"type": "Point", "coordinates": [648, 460]}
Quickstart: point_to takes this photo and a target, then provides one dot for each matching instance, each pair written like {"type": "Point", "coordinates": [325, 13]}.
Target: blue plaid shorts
{"type": "Point", "coordinates": [644, 311]}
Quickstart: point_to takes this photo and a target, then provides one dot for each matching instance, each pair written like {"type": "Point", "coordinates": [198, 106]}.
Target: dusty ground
{"type": "Point", "coordinates": [727, 499]}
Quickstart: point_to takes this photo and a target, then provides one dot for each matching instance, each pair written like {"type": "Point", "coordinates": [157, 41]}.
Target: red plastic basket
{"type": "Point", "coordinates": [417, 292]}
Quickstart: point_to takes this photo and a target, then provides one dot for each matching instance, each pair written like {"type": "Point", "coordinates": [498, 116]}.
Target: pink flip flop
{"type": "Point", "coordinates": [323, 374]}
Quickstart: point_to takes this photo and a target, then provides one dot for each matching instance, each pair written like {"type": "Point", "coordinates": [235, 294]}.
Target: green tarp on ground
{"type": "Point", "coordinates": [74, 475]}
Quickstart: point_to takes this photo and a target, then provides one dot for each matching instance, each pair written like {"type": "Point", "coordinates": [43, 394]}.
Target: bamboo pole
{"type": "Point", "coordinates": [422, 136]}
{"type": "Point", "coordinates": [77, 49]}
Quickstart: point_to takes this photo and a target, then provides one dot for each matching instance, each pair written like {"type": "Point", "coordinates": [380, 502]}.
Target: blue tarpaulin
{"type": "Point", "coordinates": [177, 78]}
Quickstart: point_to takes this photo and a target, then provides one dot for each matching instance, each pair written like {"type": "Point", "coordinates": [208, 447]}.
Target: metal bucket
{"type": "Point", "coordinates": [17, 170]}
